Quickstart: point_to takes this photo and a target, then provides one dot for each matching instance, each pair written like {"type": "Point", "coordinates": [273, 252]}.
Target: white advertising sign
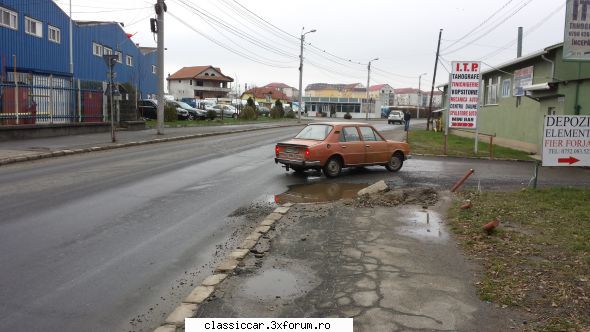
{"type": "Point", "coordinates": [522, 78]}
{"type": "Point", "coordinates": [576, 41]}
{"type": "Point", "coordinates": [464, 94]}
{"type": "Point", "coordinates": [566, 140]}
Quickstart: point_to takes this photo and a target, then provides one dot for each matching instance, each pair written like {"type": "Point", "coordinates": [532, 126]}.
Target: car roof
{"type": "Point", "coordinates": [336, 123]}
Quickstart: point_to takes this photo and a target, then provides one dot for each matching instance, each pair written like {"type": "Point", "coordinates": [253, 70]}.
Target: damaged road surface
{"type": "Point", "coordinates": [389, 265]}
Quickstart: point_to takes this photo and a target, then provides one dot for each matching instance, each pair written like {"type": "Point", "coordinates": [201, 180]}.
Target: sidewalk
{"type": "Point", "coordinates": [390, 268]}
{"type": "Point", "coordinates": [31, 149]}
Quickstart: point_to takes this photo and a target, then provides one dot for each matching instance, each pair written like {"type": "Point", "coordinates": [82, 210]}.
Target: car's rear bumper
{"type": "Point", "coordinates": [302, 163]}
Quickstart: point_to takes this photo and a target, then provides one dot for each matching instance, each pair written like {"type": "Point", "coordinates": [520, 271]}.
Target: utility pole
{"type": "Point", "coordinates": [301, 72]}
{"type": "Point", "coordinates": [433, 81]}
{"type": "Point", "coordinates": [419, 95]}
{"type": "Point", "coordinates": [160, 9]}
{"type": "Point", "coordinates": [110, 60]}
{"type": "Point", "coordinates": [368, 84]}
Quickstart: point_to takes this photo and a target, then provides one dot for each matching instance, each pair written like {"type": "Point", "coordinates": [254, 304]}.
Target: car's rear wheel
{"type": "Point", "coordinates": [191, 117]}
{"type": "Point", "coordinates": [333, 167]}
{"type": "Point", "coordinates": [395, 162]}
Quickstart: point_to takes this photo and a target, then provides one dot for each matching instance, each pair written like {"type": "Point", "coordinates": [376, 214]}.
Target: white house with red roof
{"type": "Point", "coordinates": [199, 82]}
{"type": "Point", "coordinates": [414, 97]}
{"type": "Point", "coordinates": [384, 93]}
{"type": "Point", "coordinates": [289, 91]}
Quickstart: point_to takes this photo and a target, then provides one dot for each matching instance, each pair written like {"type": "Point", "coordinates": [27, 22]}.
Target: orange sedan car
{"type": "Point", "coordinates": [331, 146]}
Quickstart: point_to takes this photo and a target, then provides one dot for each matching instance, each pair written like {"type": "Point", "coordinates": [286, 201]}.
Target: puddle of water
{"type": "Point", "coordinates": [424, 225]}
{"type": "Point", "coordinates": [319, 192]}
{"type": "Point", "coordinates": [275, 282]}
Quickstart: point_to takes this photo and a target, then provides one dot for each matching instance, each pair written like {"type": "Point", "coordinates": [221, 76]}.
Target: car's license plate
{"type": "Point", "coordinates": [292, 156]}
{"type": "Point", "coordinates": [290, 150]}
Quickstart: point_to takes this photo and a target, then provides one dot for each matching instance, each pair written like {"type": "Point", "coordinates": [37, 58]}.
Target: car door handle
{"type": "Point", "coordinates": [368, 145]}
{"type": "Point", "coordinates": [343, 146]}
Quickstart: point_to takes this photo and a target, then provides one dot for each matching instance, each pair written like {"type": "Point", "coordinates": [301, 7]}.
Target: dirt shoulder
{"type": "Point", "coordinates": [391, 265]}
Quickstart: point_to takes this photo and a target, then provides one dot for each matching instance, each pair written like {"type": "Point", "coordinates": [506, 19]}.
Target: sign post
{"type": "Point", "coordinates": [464, 96]}
{"type": "Point", "coordinates": [566, 140]}
{"type": "Point", "coordinates": [575, 41]}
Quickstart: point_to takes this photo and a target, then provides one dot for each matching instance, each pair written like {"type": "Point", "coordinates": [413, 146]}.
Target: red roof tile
{"type": "Point", "coordinates": [261, 93]}
{"type": "Point", "coordinates": [192, 72]}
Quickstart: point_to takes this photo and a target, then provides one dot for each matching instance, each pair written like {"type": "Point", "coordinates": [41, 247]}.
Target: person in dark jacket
{"type": "Point", "coordinates": [407, 118]}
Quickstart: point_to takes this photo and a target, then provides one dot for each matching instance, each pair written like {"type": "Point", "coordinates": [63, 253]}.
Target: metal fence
{"type": "Point", "coordinates": [27, 98]}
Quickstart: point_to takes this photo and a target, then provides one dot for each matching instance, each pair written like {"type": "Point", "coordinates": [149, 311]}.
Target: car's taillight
{"type": "Point", "coordinates": [307, 153]}
{"type": "Point", "coordinates": [277, 150]}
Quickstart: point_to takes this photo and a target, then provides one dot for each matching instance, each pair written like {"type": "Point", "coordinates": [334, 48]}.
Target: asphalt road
{"type": "Point", "coordinates": [113, 240]}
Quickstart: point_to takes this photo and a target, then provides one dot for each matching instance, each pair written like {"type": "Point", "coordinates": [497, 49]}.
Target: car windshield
{"type": "Point", "coordinates": [183, 105]}
{"type": "Point", "coordinates": [315, 132]}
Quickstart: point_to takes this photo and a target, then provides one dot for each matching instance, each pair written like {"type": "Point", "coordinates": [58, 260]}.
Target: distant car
{"type": "Point", "coordinates": [331, 146]}
{"type": "Point", "coordinates": [264, 111]}
{"type": "Point", "coordinates": [395, 116]}
{"type": "Point", "coordinates": [148, 109]}
{"type": "Point", "coordinates": [193, 113]}
{"type": "Point", "coordinates": [228, 111]}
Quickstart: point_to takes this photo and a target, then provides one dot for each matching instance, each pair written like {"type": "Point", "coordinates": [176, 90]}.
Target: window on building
{"type": "Point", "coordinates": [190, 82]}
{"type": "Point", "coordinates": [96, 49]}
{"type": "Point", "coordinates": [153, 69]}
{"type": "Point", "coordinates": [506, 88]}
{"type": "Point", "coordinates": [33, 27]}
{"type": "Point", "coordinates": [129, 60]}
{"type": "Point", "coordinates": [54, 34]}
{"type": "Point", "coordinates": [492, 92]}
{"type": "Point", "coordinates": [119, 56]}
{"type": "Point", "coordinates": [107, 51]}
{"type": "Point", "coordinates": [8, 18]}
{"type": "Point", "coordinates": [199, 83]}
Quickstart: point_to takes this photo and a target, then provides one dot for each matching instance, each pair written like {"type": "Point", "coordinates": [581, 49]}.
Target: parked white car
{"type": "Point", "coordinates": [395, 116]}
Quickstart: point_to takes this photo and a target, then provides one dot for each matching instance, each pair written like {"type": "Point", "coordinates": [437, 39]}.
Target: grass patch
{"type": "Point", "coordinates": [538, 259]}
{"type": "Point", "coordinates": [430, 142]}
{"type": "Point", "coordinates": [216, 122]}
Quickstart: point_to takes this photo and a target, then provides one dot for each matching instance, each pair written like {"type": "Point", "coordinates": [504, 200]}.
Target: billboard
{"type": "Point", "coordinates": [566, 140]}
{"type": "Point", "coordinates": [464, 88]}
{"type": "Point", "coordinates": [522, 78]}
{"type": "Point", "coordinates": [576, 41]}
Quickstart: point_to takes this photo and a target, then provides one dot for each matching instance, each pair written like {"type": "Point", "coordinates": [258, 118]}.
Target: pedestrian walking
{"type": "Point", "coordinates": [407, 118]}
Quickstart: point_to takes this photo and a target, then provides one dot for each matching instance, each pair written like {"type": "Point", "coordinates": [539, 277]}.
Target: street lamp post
{"type": "Point", "coordinates": [301, 71]}
{"type": "Point", "coordinates": [419, 95]}
{"type": "Point", "coordinates": [368, 84]}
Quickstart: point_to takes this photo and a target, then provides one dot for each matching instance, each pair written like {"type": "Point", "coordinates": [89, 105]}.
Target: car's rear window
{"type": "Point", "coordinates": [315, 132]}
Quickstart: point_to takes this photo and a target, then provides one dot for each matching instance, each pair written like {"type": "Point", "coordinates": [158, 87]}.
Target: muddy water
{"type": "Point", "coordinates": [319, 192]}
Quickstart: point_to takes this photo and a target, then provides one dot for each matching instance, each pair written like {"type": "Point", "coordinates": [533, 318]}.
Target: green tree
{"type": "Point", "coordinates": [277, 111]}
{"type": "Point", "coordinates": [250, 102]}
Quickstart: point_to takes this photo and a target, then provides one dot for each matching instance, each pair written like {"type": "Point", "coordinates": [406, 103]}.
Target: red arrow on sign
{"type": "Point", "coordinates": [570, 160]}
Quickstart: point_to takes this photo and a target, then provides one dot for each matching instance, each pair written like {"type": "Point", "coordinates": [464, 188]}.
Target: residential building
{"type": "Point", "coordinates": [289, 91]}
{"type": "Point", "coordinates": [384, 93]}
{"type": "Point", "coordinates": [199, 82]}
{"type": "Point", "coordinates": [518, 94]}
{"type": "Point", "coordinates": [266, 96]}
{"type": "Point", "coordinates": [54, 87]}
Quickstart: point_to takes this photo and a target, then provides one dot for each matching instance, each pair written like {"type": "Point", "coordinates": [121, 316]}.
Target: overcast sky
{"type": "Point", "coordinates": [402, 34]}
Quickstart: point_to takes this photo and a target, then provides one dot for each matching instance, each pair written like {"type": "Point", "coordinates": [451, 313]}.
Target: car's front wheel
{"type": "Point", "coordinates": [235, 116]}
{"type": "Point", "coordinates": [191, 117]}
{"type": "Point", "coordinates": [333, 167]}
{"type": "Point", "coordinates": [395, 162]}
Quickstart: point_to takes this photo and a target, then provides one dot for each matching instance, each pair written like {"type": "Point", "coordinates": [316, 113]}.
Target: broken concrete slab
{"type": "Point", "coordinates": [247, 244]}
{"type": "Point", "coordinates": [274, 216]}
{"type": "Point", "coordinates": [184, 310]}
{"type": "Point", "coordinates": [374, 188]}
{"type": "Point", "coordinates": [214, 280]}
{"type": "Point", "coordinates": [267, 222]}
{"type": "Point", "coordinates": [281, 210]}
{"type": "Point", "coordinates": [166, 328]}
{"type": "Point", "coordinates": [262, 229]}
{"type": "Point", "coordinates": [239, 254]}
{"type": "Point", "coordinates": [227, 265]}
{"type": "Point", "coordinates": [199, 294]}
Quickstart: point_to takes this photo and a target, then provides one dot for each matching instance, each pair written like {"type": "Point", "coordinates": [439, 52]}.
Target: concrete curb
{"type": "Point", "coordinates": [224, 270]}
{"type": "Point", "coordinates": [66, 152]}
{"type": "Point", "coordinates": [465, 157]}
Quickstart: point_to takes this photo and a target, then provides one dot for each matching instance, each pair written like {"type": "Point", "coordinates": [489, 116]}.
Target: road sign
{"type": "Point", "coordinates": [566, 140]}
{"type": "Point", "coordinates": [464, 94]}
{"type": "Point", "coordinates": [576, 45]}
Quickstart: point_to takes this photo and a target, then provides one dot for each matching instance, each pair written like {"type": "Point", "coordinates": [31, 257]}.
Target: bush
{"type": "Point", "coordinates": [290, 115]}
{"type": "Point", "coordinates": [324, 114]}
{"type": "Point", "coordinates": [170, 114]}
{"type": "Point", "coordinates": [211, 115]}
{"type": "Point", "coordinates": [248, 113]}
{"type": "Point", "coordinates": [347, 116]}
{"type": "Point", "coordinates": [250, 102]}
{"type": "Point", "coordinates": [277, 113]}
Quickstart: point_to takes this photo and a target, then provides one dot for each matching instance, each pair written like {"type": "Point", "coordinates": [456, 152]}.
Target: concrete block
{"type": "Point", "coordinates": [262, 229]}
{"type": "Point", "coordinates": [227, 265]}
{"type": "Point", "coordinates": [184, 310]}
{"type": "Point", "coordinates": [247, 244]}
{"type": "Point", "coordinates": [239, 254]}
{"type": "Point", "coordinates": [374, 188]}
{"type": "Point", "coordinates": [274, 216]}
{"type": "Point", "coordinates": [199, 294]}
{"type": "Point", "coordinates": [166, 328]}
{"type": "Point", "coordinates": [267, 222]}
{"type": "Point", "coordinates": [281, 210]}
{"type": "Point", "coordinates": [214, 280]}
{"type": "Point", "coordinates": [288, 204]}
{"type": "Point", "coordinates": [254, 236]}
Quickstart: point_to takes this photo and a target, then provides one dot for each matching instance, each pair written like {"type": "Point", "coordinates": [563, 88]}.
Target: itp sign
{"type": "Point", "coordinates": [566, 140]}
{"type": "Point", "coordinates": [464, 87]}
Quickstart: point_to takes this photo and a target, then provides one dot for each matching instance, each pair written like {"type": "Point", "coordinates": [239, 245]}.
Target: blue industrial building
{"type": "Point", "coordinates": [34, 44]}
